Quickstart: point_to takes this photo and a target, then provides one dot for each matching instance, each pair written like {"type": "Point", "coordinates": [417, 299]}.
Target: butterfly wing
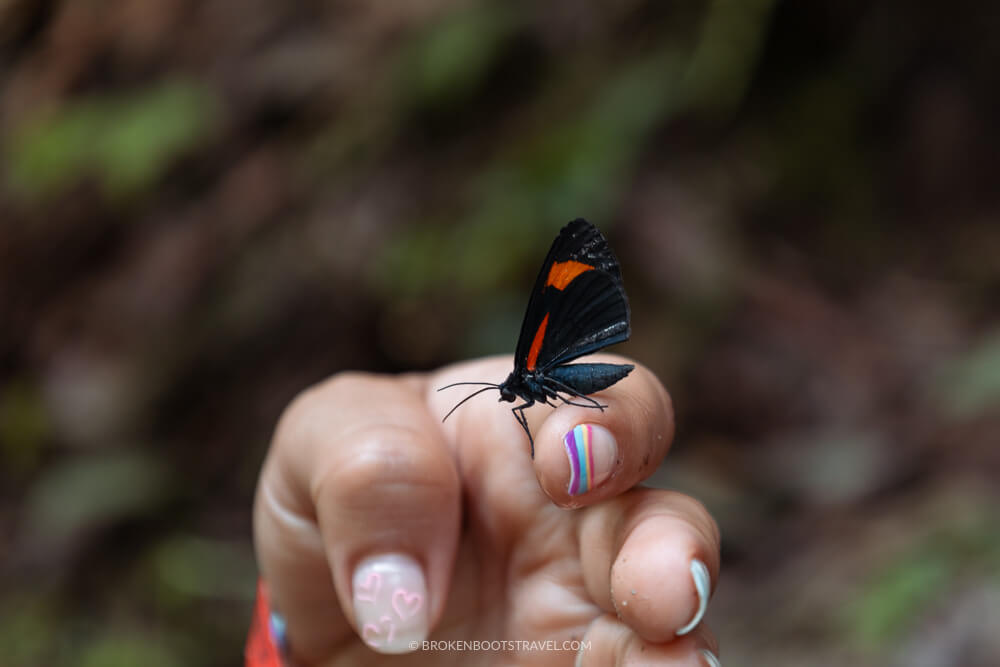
{"type": "Point", "coordinates": [578, 304]}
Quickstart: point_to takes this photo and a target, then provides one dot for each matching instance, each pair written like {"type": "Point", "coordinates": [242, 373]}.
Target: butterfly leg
{"type": "Point", "coordinates": [523, 421]}
{"type": "Point", "coordinates": [591, 402]}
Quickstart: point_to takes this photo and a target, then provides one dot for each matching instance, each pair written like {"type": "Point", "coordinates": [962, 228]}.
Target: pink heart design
{"type": "Point", "coordinates": [372, 633]}
{"type": "Point", "coordinates": [367, 590]}
{"type": "Point", "coordinates": [369, 633]}
{"type": "Point", "coordinates": [406, 603]}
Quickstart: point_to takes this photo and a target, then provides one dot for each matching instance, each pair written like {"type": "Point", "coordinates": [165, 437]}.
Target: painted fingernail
{"type": "Point", "coordinates": [276, 624]}
{"type": "Point", "coordinates": [591, 451]}
{"type": "Point", "coordinates": [390, 603]}
{"type": "Point", "coordinates": [710, 658]}
{"type": "Point", "coordinates": [702, 585]}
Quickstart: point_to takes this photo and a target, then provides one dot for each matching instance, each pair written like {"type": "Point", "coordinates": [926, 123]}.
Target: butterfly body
{"type": "Point", "coordinates": [582, 379]}
{"type": "Point", "coordinates": [578, 306]}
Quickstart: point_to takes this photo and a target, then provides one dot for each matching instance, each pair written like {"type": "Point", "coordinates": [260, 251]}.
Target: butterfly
{"type": "Point", "coordinates": [578, 306]}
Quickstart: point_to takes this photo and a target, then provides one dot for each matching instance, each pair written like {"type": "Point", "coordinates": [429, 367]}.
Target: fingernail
{"type": "Point", "coordinates": [591, 451]}
{"type": "Point", "coordinates": [390, 603]}
{"type": "Point", "coordinates": [710, 658]}
{"type": "Point", "coordinates": [276, 624]}
{"type": "Point", "coordinates": [702, 585]}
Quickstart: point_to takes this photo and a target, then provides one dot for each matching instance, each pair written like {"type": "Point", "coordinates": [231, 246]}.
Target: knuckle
{"type": "Point", "coordinates": [699, 516]}
{"type": "Point", "coordinates": [686, 510]}
{"type": "Point", "coordinates": [380, 463]}
{"type": "Point", "coordinates": [342, 381]}
{"type": "Point", "coordinates": [303, 410]}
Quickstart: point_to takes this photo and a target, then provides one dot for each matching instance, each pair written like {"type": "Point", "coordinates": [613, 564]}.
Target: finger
{"type": "Point", "coordinates": [357, 517]}
{"type": "Point", "coordinates": [585, 455]}
{"type": "Point", "coordinates": [637, 422]}
{"type": "Point", "coordinates": [608, 641]}
{"type": "Point", "coordinates": [650, 556]}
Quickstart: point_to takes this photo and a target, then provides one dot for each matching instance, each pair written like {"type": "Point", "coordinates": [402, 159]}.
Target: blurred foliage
{"type": "Point", "coordinates": [535, 185]}
{"type": "Point", "coordinates": [445, 63]}
{"type": "Point", "coordinates": [74, 494]}
{"type": "Point", "coordinates": [23, 426]}
{"type": "Point", "coordinates": [127, 140]}
{"type": "Point", "coordinates": [128, 650]}
{"type": "Point", "coordinates": [723, 63]}
{"type": "Point", "coordinates": [193, 567]}
{"type": "Point", "coordinates": [922, 577]}
{"type": "Point", "coordinates": [28, 627]}
{"type": "Point", "coordinates": [970, 385]}
{"type": "Point", "coordinates": [210, 206]}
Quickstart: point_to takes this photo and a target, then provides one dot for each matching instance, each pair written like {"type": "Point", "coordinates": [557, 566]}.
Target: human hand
{"type": "Point", "coordinates": [377, 526]}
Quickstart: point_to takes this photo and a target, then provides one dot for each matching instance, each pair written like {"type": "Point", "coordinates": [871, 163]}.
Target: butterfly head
{"type": "Point", "coordinates": [513, 387]}
{"type": "Point", "coordinates": [506, 393]}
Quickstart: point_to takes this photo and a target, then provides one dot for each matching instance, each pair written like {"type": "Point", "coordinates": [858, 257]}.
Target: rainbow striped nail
{"type": "Point", "coordinates": [579, 449]}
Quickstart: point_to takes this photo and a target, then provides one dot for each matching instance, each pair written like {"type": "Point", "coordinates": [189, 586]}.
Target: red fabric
{"type": "Point", "coordinates": [261, 649]}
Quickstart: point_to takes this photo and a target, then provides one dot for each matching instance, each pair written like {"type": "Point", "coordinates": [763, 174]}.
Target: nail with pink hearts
{"type": "Point", "coordinates": [390, 603]}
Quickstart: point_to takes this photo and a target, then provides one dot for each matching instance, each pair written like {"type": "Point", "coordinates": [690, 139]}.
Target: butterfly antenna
{"type": "Point", "coordinates": [456, 384]}
{"type": "Point", "coordinates": [475, 393]}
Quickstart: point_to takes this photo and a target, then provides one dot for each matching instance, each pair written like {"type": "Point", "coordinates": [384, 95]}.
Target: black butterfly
{"type": "Point", "coordinates": [578, 306]}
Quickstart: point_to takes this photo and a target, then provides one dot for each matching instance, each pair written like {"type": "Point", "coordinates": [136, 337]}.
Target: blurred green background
{"type": "Point", "coordinates": [207, 206]}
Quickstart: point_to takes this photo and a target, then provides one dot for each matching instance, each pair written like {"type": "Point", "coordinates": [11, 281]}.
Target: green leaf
{"type": "Point", "coordinates": [89, 490]}
{"type": "Point", "coordinates": [126, 141]}
{"type": "Point", "coordinates": [898, 596]}
{"type": "Point", "coordinates": [198, 567]}
{"type": "Point", "coordinates": [446, 62]}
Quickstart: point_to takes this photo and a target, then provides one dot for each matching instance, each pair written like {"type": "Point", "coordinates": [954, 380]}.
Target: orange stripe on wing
{"type": "Point", "coordinates": [562, 273]}
{"type": "Point", "coordinates": [536, 343]}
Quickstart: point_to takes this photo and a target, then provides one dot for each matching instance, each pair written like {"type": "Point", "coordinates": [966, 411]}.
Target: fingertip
{"type": "Point", "coordinates": [398, 496]}
{"type": "Point", "coordinates": [370, 470]}
{"type": "Point", "coordinates": [660, 585]}
{"type": "Point", "coordinates": [584, 455]}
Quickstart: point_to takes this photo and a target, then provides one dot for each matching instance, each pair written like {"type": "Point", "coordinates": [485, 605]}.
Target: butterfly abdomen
{"type": "Point", "coordinates": [589, 378]}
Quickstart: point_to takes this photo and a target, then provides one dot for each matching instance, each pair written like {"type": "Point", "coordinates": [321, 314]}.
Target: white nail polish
{"type": "Point", "coordinates": [702, 585]}
{"type": "Point", "coordinates": [390, 603]}
{"type": "Point", "coordinates": [710, 658]}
